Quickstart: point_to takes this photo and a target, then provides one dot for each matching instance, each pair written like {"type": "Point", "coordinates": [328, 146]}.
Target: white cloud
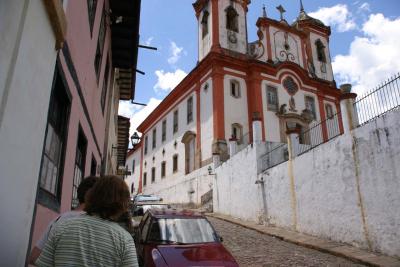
{"type": "Point", "coordinates": [373, 57]}
{"type": "Point", "coordinates": [137, 114]}
{"type": "Point", "coordinates": [149, 40]}
{"type": "Point", "coordinates": [336, 16]}
{"type": "Point", "coordinates": [168, 80]}
{"type": "Point", "coordinates": [175, 53]}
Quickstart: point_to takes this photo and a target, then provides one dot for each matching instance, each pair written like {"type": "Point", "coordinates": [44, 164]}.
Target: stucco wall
{"type": "Point", "coordinates": [26, 76]}
{"type": "Point", "coordinates": [169, 144]}
{"type": "Point", "coordinates": [353, 178]}
{"type": "Point", "coordinates": [184, 189]}
{"type": "Point", "coordinates": [279, 53]}
{"type": "Point", "coordinates": [241, 36]}
{"type": "Point", "coordinates": [206, 119]}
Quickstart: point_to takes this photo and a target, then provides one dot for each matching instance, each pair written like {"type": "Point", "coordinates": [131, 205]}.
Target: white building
{"type": "Point", "coordinates": [283, 78]}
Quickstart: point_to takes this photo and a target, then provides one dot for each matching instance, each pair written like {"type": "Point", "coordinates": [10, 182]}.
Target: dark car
{"type": "Point", "coordinates": [179, 238]}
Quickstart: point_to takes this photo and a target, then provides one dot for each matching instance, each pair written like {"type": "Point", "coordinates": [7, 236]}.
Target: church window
{"type": "Point", "coordinates": [204, 23]}
{"type": "Point", "coordinates": [175, 163]}
{"type": "Point", "coordinates": [164, 130]}
{"type": "Point", "coordinates": [175, 126]}
{"type": "Point", "coordinates": [190, 110]}
{"type": "Point", "coordinates": [144, 179]}
{"type": "Point", "coordinates": [154, 138]}
{"type": "Point", "coordinates": [272, 98]}
{"type": "Point", "coordinates": [163, 169]}
{"type": "Point", "coordinates": [328, 111]}
{"type": "Point", "coordinates": [232, 19]}
{"type": "Point", "coordinates": [237, 132]}
{"type": "Point", "coordinates": [310, 105]}
{"type": "Point", "coordinates": [320, 51]}
{"type": "Point", "coordinates": [146, 142]}
{"type": "Point", "coordinates": [153, 175]}
{"type": "Point", "coordinates": [235, 88]}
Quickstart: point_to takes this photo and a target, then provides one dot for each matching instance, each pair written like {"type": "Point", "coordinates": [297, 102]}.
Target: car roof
{"type": "Point", "coordinates": [175, 213]}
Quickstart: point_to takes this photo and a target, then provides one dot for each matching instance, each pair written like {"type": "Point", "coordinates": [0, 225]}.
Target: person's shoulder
{"type": "Point", "coordinates": [70, 214]}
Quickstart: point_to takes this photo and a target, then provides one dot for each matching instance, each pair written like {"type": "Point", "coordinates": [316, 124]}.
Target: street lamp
{"type": "Point", "coordinates": [135, 139]}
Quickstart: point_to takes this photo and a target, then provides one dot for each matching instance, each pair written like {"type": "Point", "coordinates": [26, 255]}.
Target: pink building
{"type": "Point", "coordinates": [95, 66]}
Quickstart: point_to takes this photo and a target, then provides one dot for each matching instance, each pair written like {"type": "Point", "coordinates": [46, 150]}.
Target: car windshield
{"type": "Point", "coordinates": [181, 231]}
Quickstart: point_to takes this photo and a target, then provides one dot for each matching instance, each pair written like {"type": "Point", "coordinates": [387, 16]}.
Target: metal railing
{"type": "Point", "coordinates": [379, 101]}
{"type": "Point", "coordinates": [315, 135]}
{"type": "Point", "coordinates": [277, 154]}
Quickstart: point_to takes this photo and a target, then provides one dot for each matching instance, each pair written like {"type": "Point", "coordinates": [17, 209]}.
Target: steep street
{"type": "Point", "coordinates": [251, 248]}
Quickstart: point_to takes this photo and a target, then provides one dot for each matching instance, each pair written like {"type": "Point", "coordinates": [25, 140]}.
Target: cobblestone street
{"type": "Point", "coordinates": [251, 248]}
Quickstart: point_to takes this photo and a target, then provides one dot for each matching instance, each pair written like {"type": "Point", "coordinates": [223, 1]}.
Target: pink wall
{"type": "Point", "coordinates": [82, 47]}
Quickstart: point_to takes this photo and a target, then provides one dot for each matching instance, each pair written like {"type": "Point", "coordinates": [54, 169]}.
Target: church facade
{"type": "Point", "coordinates": [284, 77]}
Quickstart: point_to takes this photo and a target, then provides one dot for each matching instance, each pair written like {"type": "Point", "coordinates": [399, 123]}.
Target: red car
{"type": "Point", "coordinates": [168, 237]}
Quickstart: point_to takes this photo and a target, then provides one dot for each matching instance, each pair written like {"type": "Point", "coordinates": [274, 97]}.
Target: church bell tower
{"type": "Point", "coordinates": [222, 24]}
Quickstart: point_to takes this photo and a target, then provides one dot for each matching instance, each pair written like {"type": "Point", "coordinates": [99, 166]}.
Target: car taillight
{"type": "Point", "coordinates": [158, 258]}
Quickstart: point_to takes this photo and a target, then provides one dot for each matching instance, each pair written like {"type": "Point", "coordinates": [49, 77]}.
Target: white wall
{"type": "Point", "coordinates": [294, 53]}
{"type": "Point", "coordinates": [168, 145]}
{"type": "Point", "coordinates": [206, 119]}
{"type": "Point", "coordinates": [235, 109]}
{"type": "Point", "coordinates": [206, 42]}
{"type": "Point", "coordinates": [324, 201]}
{"type": "Point", "coordinates": [184, 189]}
{"type": "Point", "coordinates": [241, 37]}
{"type": "Point", "coordinates": [134, 158]}
{"type": "Point", "coordinates": [27, 61]}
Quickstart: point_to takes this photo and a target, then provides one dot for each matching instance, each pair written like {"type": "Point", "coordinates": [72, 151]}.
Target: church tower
{"type": "Point", "coordinates": [221, 24]}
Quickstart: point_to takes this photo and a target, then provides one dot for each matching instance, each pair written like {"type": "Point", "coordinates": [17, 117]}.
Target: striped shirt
{"type": "Point", "coordinates": [88, 241]}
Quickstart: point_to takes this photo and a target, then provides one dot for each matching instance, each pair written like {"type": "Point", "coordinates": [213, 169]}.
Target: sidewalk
{"type": "Point", "coordinates": [327, 246]}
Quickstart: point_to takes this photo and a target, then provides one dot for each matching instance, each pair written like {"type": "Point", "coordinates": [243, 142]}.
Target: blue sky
{"type": "Point", "coordinates": [364, 43]}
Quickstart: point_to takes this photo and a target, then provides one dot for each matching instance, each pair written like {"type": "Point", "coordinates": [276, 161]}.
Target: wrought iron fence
{"type": "Point", "coordinates": [317, 135]}
{"type": "Point", "coordinates": [380, 100]}
{"type": "Point", "coordinates": [277, 154]}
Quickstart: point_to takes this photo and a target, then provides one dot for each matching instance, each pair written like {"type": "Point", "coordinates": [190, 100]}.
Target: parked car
{"type": "Point", "coordinates": [138, 209]}
{"type": "Point", "coordinates": [168, 237]}
{"type": "Point", "coordinates": [144, 198]}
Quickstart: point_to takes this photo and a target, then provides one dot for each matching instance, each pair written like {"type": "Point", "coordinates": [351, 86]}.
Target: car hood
{"type": "Point", "coordinates": [213, 254]}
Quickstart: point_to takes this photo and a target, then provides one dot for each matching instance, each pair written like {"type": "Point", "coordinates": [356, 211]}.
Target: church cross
{"type": "Point", "coordinates": [281, 10]}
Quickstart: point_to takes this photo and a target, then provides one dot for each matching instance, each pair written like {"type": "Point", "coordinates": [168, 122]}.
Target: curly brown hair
{"type": "Point", "coordinates": [109, 198]}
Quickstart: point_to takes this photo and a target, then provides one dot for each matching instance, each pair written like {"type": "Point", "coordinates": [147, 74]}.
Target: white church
{"type": "Point", "coordinates": [238, 91]}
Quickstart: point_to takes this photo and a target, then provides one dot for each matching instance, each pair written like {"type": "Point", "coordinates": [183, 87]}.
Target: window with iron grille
{"type": "Point", "coordinates": [272, 98]}
{"type": "Point", "coordinates": [163, 164]}
{"type": "Point", "coordinates": [153, 175]}
{"type": "Point", "coordinates": [100, 45]}
{"type": "Point", "coordinates": [164, 130]}
{"type": "Point", "coordinates": [175, 163]}
{"type": "Point", "coordinates": [79, 169]}
{"type": "Point", "coordinates": [154, 138]}
{"type": "Point", "coordinates": [91, 5]}
{"type": "Point", "coordinates": [146, 142]}
{"type": "Point", "coordinates": [144, 179]}
{"type": "Point", "coordinates": [175, 126]}
{"type": "Point", "coordinates": [52, 162]}
{"type": "Point", "coordinates": [190, 110]}
{"type": "Point", "coordinates": [105, 86]}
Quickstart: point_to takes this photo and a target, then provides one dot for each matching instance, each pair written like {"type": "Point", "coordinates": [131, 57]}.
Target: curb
{"type": "Point", "coordinates": [326, 246]}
